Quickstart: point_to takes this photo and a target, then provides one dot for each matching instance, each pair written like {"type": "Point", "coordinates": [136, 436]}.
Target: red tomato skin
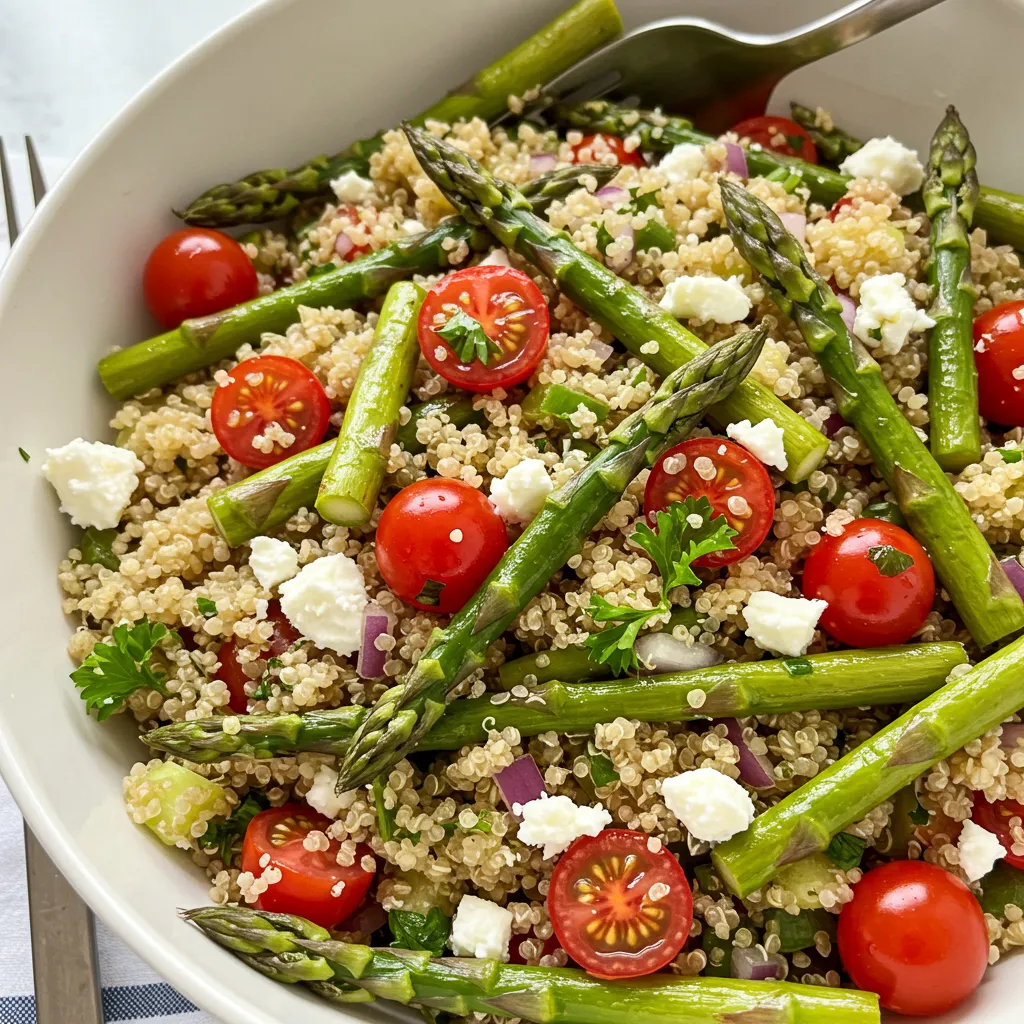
{"type": "Point", "coordinates": [414, 542]}
{"type": "Point", "coordinates": [998, 351]}
{"type": "Point", "coordinates": [995, 818]}
{"type": "Point", "coordinates": [774, 133]}
{"type": "Point", "coordinates": [839, 205]}
{"type": "Point", "coordinates": [307, 878]}
{"type": "Point", "coordinates": [356, 251]}
{"type": "Point", "coordinates": [231, 672]}
{"type": "Point", "coordinates": [481, 283]}
{"type": "Point", "coordinates": [915, 935]}
{"type": "Point", "coordinates": [866, 608]}
{"type": "Point", "coordinates": [623, 157]}
{"type": "Point", "coordinates": [195, 272]}
{"type": "Point", "coordinates": [663, 488]}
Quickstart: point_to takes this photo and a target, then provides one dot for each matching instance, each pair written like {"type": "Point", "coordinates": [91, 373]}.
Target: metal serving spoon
{"type": "Point", "coordinates": [713, 74]}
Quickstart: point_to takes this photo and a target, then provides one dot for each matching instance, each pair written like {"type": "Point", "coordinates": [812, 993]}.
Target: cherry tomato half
{"type": "Point", "coordinates": [996, 818]}
{"type": "Point", "coordinates": [736, 475]}
{"type": "Point", "coordinates": [874, 596]}
{"type": "Point", "coordinates": [231, 671]}
{"type": "Point", "coordinates": [313, 884]}
{"type": "Point", "coordinates": [437, 540]}
{"type": "Point", "coordinates": [594, 149]}
{"type": "Point", "coordinates": [999, 355]}
{"type": "Point", "coordinates": [265, 391]}
{"type": "Point", "coordinates": [780, 135]}
{"type": "Point", "coordinates": [916, 935]}
{"type": "Point", "coordinates": [605, 909]}
{"type": "Point", "coordinates": [513, 314]}
{"type": "Point", "coordinates": [196, 272]}
{"type": "Point", "coordinates": [838, 205]}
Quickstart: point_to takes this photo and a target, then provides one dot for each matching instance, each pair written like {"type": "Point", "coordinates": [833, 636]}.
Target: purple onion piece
{"type": "Point", "coordinates": [750, 964]}
{"type": "Point", "coordinates": [376, 622]}
{"type": "Point", "coordinates": [849, 313]}
{"type": "Point", "coordinates": [343, 245]}
{"type": "Point", "coordinates": [662, 652]}
{"type": "Point", "coordinates": [613, 196]}
{"type": "Point", "coordinates": [755, 769]}
{"type": "Point", "coordinates": [1015, 571]}
{"type": "Point", "coordinates": [520, 783]}
{"type": "Point", "coordinates": [795, 224]}
{"type": "Point", "coordinates": [832, 425]}
{"type": "Point", "coordinates": [603, 349]}
{"type": "Point", "coordinates": [736, 159]}
{"type": "Point", "coordinates": [623, 260]}
{"type": "Point", "coordinates": [541, 163]}
{"type": "Point", "coordinates": [1013, 732]}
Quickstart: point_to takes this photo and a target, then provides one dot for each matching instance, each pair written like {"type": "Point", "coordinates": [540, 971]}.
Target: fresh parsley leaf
{"type": "Point", "coordinates": [1008, 454]}
{"type": "Point", "coordinates": [797, 666]}
{"type": "Point", "coordinates": [207, 608]}
{"type": "Point", "coordinates": [644, 201]}
{"type": "Point", "coordinates": [221, 835]}
{"type": "Point", "coordinates": [602, 770]}
{"type": "Point", "coordinates": [888, 560]}
{"type": "Point", "coordinates": [263, 691]}
{"type": "Point", "coordinates": [641, 375]}
{"type": "Point", "coordinates": [97, 548]}
{"type": "Point", "coordinates": [114, 671]}
{"type": "Point", "coordinates": [418, 931]}
{"type": "Point", "coordinates": [483, 825]}
{"type": "Point", "coordinates": [614, 646]}
{"type": "Point", "coordinates": [24, 455]}
{"type": "Point", "coordinates": [468, 339]}
{"type": "Point", "coordinates": [845, 851]}
{"type": "Point", "coordinates": [796, 143]}
{"type": "Point", "coordinates": [919, 815]}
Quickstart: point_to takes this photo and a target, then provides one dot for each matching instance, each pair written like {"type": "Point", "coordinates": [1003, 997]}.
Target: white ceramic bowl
{"type": "Point", "coordinates": [291, 78]}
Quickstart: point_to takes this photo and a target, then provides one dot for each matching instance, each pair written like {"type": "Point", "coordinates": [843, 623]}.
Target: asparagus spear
{"type": "Point", "coordinates": [457, 407]}
{"type": "Point", "coordinates": [625, 311]}
{"type": "Point", "coordinates": [805, 821]}
{"type": "Point", "coordinates": [292, 950]}
{"type": "Point", "coordinates": [351, 483]}
{"type": "Point", "coordinates": [267, 195]}
{"type": "Point", "coordinates": [833, 143]}
{"type": "Point", "coordinates": [987, 602]}
{"type": "Point", "coordinates": [950, 196]}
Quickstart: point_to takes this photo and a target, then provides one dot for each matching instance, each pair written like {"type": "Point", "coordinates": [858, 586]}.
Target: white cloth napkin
{"type": "Point", "coordinates": [131, 990]}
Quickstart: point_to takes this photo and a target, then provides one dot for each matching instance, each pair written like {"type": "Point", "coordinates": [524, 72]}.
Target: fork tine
{"type": "Point", "coordinates": [35, 169]}
{"type": "Point", "coordinates": [7, 187]}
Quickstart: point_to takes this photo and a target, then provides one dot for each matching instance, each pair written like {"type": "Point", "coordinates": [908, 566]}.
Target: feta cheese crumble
{"type": "Point", "coordinates": [979, 849]}
{"type": "Point", "coordinates": [325, 603]}
{"type": "Point", "coordinates": [555, 821]}
{"type": "Point", "coordinates": [482, 929]}
{"type": "Point", "coordinates": [321, 796]}
{"type": "Point", "coordinates": [94, 481]}
{"type": "Point", "coordinates": [887, 315]}
{"type": "Point", "coordinates": [885, 159]}
{"type": "Point", "coordinates": [520, 493]}
{"type": "Point", "coordinates": [273, 561]}
{"type": "Point", "coordinates": [353, 188]}
{"type": "Point", "coordinates": [496, 258]}
{"type": "Point", "coordinates": [683, 162]}
{"type": "Point", "coordinates": [710, 805]}
{"type": "Point", "coordinates": [706, 298]}
{"type": "Point", "coordinates": [411, 226]}
{"type": "Point", "coordinates": [782, 624]}
{"type": "Point", "coordinates": [763, 441]}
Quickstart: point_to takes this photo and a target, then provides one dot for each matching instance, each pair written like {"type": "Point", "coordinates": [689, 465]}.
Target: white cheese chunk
{"type": "Point", "coordinates": [885, 159]}
{"type": "Point", "coordinates": [412, 227]}
{"type": "Point", "coordinates": [763, 440]}
{"type": "Point", "coordinates": [273, 561]}
{"type": "Point", "coordinates": [683, 162]}
{"type": "Point", "coordinates": [979, 850]}
{"type": "Point", "coordinates": [520, 493]}
{"type": "Point", "coordinates": [482, 929]}
{"type": "Point", "coordinates": [706, 298]}
{"type": "Point", "coordinates": [94, 481]}
{"type": "Point", "coordinates": [710, 805]}
{"type": "Point", "coordinates": [782, 624]}
{"type": "Point", "coordinates": [496, 258]}
{"type": "Point", "coordinates": [887, 315]}
{"type": "Point", "coordinates": [353, 188]}
{"type": "Point", "coordinates": [325, 603]}
{"type": "Point", "coordinates": [322, 796]}
{"type": "Point", "coordinates": [555, 821]}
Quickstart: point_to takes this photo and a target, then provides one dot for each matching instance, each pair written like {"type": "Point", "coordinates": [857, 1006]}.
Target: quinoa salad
{"type": "Point", "coordinates": [560, 564]}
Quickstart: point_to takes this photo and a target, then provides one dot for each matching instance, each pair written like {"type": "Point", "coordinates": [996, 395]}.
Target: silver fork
{"type": "Point", "coordinates": [63, 938]}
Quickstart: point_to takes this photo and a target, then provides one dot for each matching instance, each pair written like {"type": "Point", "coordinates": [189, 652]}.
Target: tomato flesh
{"type": "Point", "coordinates": [231, 671]}
{"type": "Point", "coordinates": [262, 392]}
{"type": "Point", "coordinates": [195, 272]}
{"type": "Point", "coordinates": [839, 204]}
{"type": "Point", "coordinates": [998, 355]}
{"type": "Point", "coordinates": [343, 245]}
{"type": "Point", "coordinates": [736, 475]}
{"type": "Point", "coordinates": [513, 314]}
{"type": "Point", "coordinates": [607, 914]}
{"type": "Point", "coordinates": [437, 540]}
{"type": "Point", "coordinates": [780, 135]}
{"type": "Point", "coordinates": [595, 149]}
{"type": "Point", "coordinates": [867, 607]}
{"type": "Point", "coordinates": [313, 884]}
{"type": "Point", "coordinates": [916, 935]}
{"type": "Point", "coordinates": [996, 818]}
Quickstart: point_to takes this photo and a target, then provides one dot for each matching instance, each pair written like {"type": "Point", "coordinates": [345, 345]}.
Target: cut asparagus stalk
{"type": "Point", "coordinates": [457, 407]}
{"type": "Point", "coordinates": [292, 950]}
{"type": "Point", "coordinates": [805, 821]}
{"type": "Point", "coordinates": [559, 402]}
{"type": "Point", "coordinates": [950, 196]}
{"type": "Point", "coordinates": [352, 480]}
{"type": "Point", "coordinates": [984, 597]}
{"type": "Point", "coordinates": [647, 330]}
{"type": "Point", "coordinates": [838, 679]}
{"type": "Point", "coordinates": [833, 143]}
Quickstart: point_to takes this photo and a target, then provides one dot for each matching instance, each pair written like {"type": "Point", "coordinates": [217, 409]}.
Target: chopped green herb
{"type": "Point", "coordinates": [263, 691]}
{"type": "Point", "coordinates": [888, 560]}
{"type": "Point", "coordinates": [886, 511]}
{"type": "Point", "coordinates": [482, 825]}
{"type": "Point", "coordinates": [468, 339]}
{"type": "Point", "coordinates": [427, 932]}
{"type": "Point", "coordinates": [24, 455]}
{"type": "Point", "coordinates": [431, 592]}
{"type": "Point", "coordinates": [207, 608]}
{"type": "Point", "coordinates": [96, 547]}
{"type": "Point", "coordinates": [845, 851]}
{"type": "Point", "coordinates": [641, 376]}
{"type": "Point", "coordinates": [222, 835]}
{"type": "Point", "coordinates": [796, 142]}
{"type": "Point", "coordinates": [919, 815]}
{"type": "Point", "coordinates": [644, 200]}
{"type": "Point", "coordinates": [602, 771]}
{"type": "Point", "coordinates": [797, 666]}
{"type": "Point", "coordinates": [1008, 454]}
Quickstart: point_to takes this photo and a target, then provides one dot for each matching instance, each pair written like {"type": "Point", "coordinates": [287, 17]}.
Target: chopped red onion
{"type": "Point", "coordinates": [755, 769]}
{"type": "Point", "coordinates": [662, 652]}
{"type": "Point", "coordinates": [750, 964]}
{"type": "Point", "coordinates": [623, 260]}
{"type": "Point", "coordinates": [613, 196]}
{"type": "Point", "coordinates": [343, 245]}
{"type": "Point", "coordinates": [736, 160]}
{"type": "Point", "coordinates": [603, 349]}
{"type": "Point", "coordinates": [541, 163]}
{"type": "Point", "coordinates": [849, 313]}
{"type": "Point", "coordinates": [520, 783]}
{"type": "Point", "coordinates": [832, 425]}
{"type": "Point", "coordinates": [1015, 571]}
{"type": "Point", "coordinates": [795, 224]}
{"type": "Point", "coordinates": [376, 622]}
{"type": "Point", "coordinates": [369, 918]}
{"type": "Point", "coordinates": [1012, 732]}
